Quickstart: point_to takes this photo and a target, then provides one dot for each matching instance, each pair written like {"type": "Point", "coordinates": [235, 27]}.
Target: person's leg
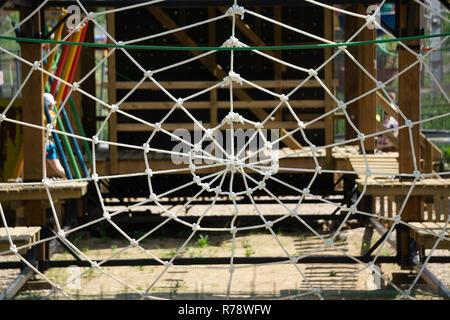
{"type": "Point", "coordinates": [56, 165]}
{"type": "Point", "coordinates": [52, 159]}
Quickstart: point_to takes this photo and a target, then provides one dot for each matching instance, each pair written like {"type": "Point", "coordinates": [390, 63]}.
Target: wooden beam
{"type": "Point", "coordinates": [110, 22]}
{"type": "Point", "coordinates": [33, 112]}
{"type": "Point", "coordinates": [278, 39]}
{"type": "Point", "coordinates": [351, 74]}
{"type": "Point", "coordinates": [362, 112]}
{"type": "Point", "coordinates": [190, 126]}
{"type": "Point", "coordinates": [286, 84]}
{"type": "Point", "coordinates": [329, 102]}
{"type": "Point", "coordinates": [66, 190]}
{"type": "Point", "coordinates": [409, 103]}
{"type": "Point", "coordinates": [252, 104]}
{"type": "Point", "coordinates": [186, 40]}
{"type": "Point", "coordinates": [212, 42]}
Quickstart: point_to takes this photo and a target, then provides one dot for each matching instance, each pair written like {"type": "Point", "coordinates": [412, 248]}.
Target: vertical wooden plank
{"type": "Point", "coordinates": [33, 112]}
{"type": "Point", "coordinates": [363, 111]}
{"type": "Point", "coordinates": [428, 156]}
{"type": "Point", "coordinates": [277, 37]}
{"type": "Point", "coordinates": [212, 29]}
{"type": "Point", "coordinates": [382, 203]}
{"type": "Point", "coordinates": [390, 204]}
{"type": "Point", "coordinates": [429, 212]}
{"type": "Point", "coordinates": [367, 105]}
{"type": "Point", "coordinates": [33, 107]}
{"type": "Point", "coordinates": [409, 103]}
{"type": "Point", "coordinates": [437, 203]}
{"type": "Point", "coordinates": [328, 17]}
{"type": "Point", "coordinates": [352, 85]}
{"type": "Point", "coordinates": [445, 213]}
{"type": "Point", "coordinates": [113, 158]}
{"type": "Point", "coordinates": [421, 209]}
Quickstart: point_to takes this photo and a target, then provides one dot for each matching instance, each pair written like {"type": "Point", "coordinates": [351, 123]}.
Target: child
{"type": "Point", "coordinates": [51, 156]}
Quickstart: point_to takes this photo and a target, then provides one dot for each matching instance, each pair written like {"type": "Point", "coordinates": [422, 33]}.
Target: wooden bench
{"type": "Point", "coordinates": [59, 190]}
{"type": "Point", "coordinates": [426, 234]}
{"type": "Point", "coordinates": [389, 194]}
{"type": "Point", "coordinates": [378, 163]}
{"type": "Point", "coordinates": [20, 236]}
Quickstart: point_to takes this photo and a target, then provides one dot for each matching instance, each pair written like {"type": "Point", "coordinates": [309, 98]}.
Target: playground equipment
{"type": "Point", "coordinates": [263, 68]}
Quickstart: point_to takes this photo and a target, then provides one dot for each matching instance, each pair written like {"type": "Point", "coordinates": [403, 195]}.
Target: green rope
{"type": "Point", "coordinates": [177, 48]}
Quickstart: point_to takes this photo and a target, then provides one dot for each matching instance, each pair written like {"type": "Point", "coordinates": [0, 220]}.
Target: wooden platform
{"type": "Point", "coordinates": [132, 161]}
{"type": "Point", "coordinates": [59, 190]}
{"type": "Point", "coordinates": [423, 187]}
{"type": "Point", "coordinates": [20, 236]}
{"type": "Point", "coordinates": [426, 240]}
{"type": "Point", "coordinates": [380, 164]}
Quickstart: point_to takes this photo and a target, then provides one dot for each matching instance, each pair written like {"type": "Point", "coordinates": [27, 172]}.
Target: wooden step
{"type": "Point", "coordinates": [20, 236]}
{"type": "Point", "coordinates": [426, 234]}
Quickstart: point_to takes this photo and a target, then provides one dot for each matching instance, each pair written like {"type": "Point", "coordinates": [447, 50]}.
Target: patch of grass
{"type": "Point", "coordinates": [85, 249]}
{"type": "Point", "coordinates": [246, 244]}
{"type": "Point", "coordinates": [249, 252]}
{"type": "Point", "coordinates": [169, 254]}
{"type": "Point", "coordinates": [140, 268]}
{"type": "Point", "coordinates": [302, 237]}
{"type": "Point", "coordinates": [445, 156]}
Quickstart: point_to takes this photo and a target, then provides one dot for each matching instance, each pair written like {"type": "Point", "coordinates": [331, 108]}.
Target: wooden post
{"type": "Point", "coordinates": [213, 64]}
{"type": "Point", "coordinates": [329, 103]}
{"type": "Point", "coordinates": [409, 103]}
{"type": "Point", "coordinates": [33, 112]}
{"type": "Point", "coordinates": [362, 112]}
{"type": "Point", "coordinates": [277, 37]}
{"type": "Point", "coordinates": [113, 158]}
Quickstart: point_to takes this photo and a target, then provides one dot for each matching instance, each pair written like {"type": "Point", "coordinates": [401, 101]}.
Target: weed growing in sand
{"type": "Point", "coordinates": [249, 252]}
{"type": "Point", "coordinates": [202, 241]}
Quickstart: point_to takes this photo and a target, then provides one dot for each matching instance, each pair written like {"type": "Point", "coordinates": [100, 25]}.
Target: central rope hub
{"type": "Point", "coordinates": [237, 167]}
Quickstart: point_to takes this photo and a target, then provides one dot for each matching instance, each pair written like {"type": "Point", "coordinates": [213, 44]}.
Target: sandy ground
{"type": "Point", "coordinates": [344, 281]}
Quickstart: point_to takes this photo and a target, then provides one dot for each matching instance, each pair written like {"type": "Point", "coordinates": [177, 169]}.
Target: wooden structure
{"type": "Point", "coordinates": [20, 236]}
{"type": "Point", "coordinates": [429, 201]}
{"type": "Point", "coordinates": [148, 102]}
{"type": "Point", "coordinates": [427, 233]}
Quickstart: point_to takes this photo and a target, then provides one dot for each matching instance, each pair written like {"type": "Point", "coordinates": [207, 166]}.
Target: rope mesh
{"type": "Point", "coordinates": [233, 163]}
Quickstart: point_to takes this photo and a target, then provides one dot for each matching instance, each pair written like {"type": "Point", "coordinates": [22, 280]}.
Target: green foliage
{"type": "Point", "coordinates": [445, 156]}
{"type": "Point", "coordinates": [249, 252]}
{"type": "Point", "coordinates": [202, 241]}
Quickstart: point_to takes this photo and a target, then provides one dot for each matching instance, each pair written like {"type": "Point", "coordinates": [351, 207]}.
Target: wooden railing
{"type": "Point", "coordinates": [432, 208]}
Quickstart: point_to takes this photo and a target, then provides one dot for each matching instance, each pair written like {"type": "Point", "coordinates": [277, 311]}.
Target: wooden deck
{"type": "Point", "coordinates": [132, 161]}
{"type": "Point", "coordinates": [60, 190]}
{"type": "Point", "coordinates": [423, 187]}
{"type": "Point", "coordinates": [20, 236]}
{"type": "Point", "coordinates": [426, 234]}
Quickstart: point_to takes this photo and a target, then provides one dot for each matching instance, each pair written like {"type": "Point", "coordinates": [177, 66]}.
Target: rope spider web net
{"type": "Point", "coordinates": [263, 163]}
